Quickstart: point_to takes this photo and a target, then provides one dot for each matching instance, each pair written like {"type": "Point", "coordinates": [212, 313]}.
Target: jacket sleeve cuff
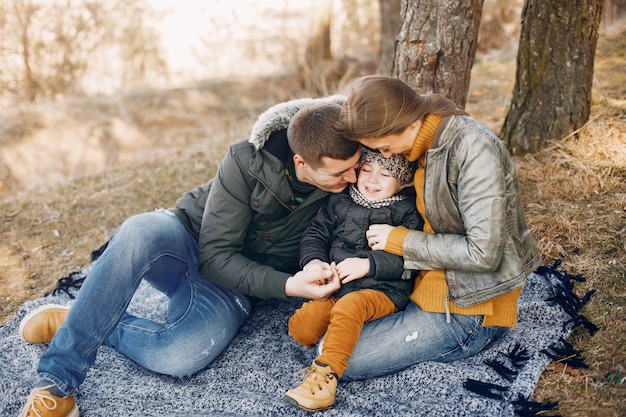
{"type": "Point", "coordinates": [395, 240]}
{"type": "Point", "coordinates": [274, 285]}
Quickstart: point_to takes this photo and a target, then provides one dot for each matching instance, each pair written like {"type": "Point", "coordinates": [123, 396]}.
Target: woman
{"type": "Point", "coordinates": [475, 250]}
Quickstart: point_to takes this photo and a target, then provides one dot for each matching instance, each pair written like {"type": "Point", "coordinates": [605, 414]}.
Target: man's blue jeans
{"type": "Point", "coordinates": [202, 318]}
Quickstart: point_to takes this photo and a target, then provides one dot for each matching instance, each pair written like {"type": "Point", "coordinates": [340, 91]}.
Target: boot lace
{"type": "Point", "coordinates": [314, 378]}
{"type": "Point", "coordinates": [41, 397]}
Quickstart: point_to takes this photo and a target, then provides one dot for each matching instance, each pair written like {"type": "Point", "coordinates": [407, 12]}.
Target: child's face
{"type": "Point", "coordinates": [375, 182]}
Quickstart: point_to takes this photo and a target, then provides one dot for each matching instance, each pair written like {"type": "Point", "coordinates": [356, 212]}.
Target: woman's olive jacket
{"type": "Point", "coordinates": [248, 236]}
{"type": "Point", "coordinates": [474, 206]}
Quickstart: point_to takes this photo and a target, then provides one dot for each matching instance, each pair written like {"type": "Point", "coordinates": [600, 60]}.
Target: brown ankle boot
{"type": "Point", "coordinates": [317, 390]}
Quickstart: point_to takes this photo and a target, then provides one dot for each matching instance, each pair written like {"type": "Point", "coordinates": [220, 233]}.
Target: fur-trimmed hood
{"type": "Point", "coordinates": [278, 117]}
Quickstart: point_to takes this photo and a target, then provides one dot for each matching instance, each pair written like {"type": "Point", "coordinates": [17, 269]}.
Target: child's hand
{"type": "Point", "coordinates": [353, 268]}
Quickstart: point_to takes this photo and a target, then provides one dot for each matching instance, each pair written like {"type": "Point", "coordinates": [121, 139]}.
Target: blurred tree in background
{"type": "Point", "coordinates": [317, 52]}
{"type": "Point", "coordinates": [55, 48]}
{"type": "Point", "coordinates": [52, 48]}
{"type": "Point", "coordinates": [390, 19]}
{"type": "Point", "coordinates": [343, 40]}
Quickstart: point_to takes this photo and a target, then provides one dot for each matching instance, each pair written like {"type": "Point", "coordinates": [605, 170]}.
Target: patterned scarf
{"type": "Point", "coordinates": [360, 199]}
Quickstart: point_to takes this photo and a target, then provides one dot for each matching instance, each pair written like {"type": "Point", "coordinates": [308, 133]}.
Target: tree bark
{"type": "Point", "coordinates": [389, 25]}
{"type": "Point", "coordinates": [436, 46]}
{"type": "Point", "coordinates": [552, 93]}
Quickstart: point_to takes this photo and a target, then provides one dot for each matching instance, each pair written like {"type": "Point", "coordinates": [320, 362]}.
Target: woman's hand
{"type": "Point", "coordinates": [377, 235]}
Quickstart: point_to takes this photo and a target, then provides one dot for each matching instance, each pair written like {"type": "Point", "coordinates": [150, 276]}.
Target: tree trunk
{"type": "Point", "coordinates": [317, 54]}
{"type": "Point", "coordinates": [389, 25]}
{"type": "Point", "coordinates": [552, 93]}
{"type": "Point", "coordinates": [318, 43]}
{"type": "Point", "coordinates": [437, 45]}
{"type": "Point", "coordinates": [612, 11]}
{"type": "Point", "coordinates": [24, 12]}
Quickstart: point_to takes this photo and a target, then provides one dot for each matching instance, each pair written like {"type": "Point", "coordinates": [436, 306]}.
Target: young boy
{"type": "Point", "coordinates": [374, 283]}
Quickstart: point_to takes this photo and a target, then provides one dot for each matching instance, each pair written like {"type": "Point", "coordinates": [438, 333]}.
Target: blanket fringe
{"type": "Point", "coordinates": [561, 351]}
{"type": "Point", "coordinates": [518, 355]}
{"type": "Point", "coordinates": [74, 280]}
{"type": "Point", "coordinates": [565, 354]}
{"type": "Point", "coordinates": [502, 370]}
{"type": "Point", "coordinates": [527, 408]}
{"type": "Point", "coordinates": [565, 296]}
{"type": "Point", "coordinates": [485, 389]}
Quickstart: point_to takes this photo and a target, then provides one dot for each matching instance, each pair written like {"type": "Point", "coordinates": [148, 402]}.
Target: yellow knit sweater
{"type": "Point", "coordinates": [430, 291]}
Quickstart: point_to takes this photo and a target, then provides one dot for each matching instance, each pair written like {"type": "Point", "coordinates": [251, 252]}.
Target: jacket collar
{"type": "Point", "coordinates": [278, 117]}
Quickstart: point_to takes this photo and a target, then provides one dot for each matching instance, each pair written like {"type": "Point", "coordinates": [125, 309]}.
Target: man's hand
{"type": "Point", "coordinates": [317, 265]}
{"type": "Point", "coordinates": [314, 285]}
{"type": "Point", "coordinates": [353, 268]}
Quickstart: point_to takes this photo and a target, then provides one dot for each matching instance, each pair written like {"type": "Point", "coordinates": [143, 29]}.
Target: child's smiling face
{"type": "Point", "coordinates": [376, 182]}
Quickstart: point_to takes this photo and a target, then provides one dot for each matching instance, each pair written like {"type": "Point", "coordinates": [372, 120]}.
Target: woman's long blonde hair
{"type": "Point", "coordinates": [378, 106]}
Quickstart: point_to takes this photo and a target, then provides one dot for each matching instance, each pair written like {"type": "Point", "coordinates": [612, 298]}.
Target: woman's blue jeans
{"type": "Point", "coordinates": [202, 318]}
{"type": "Point", "coordinates": [402, 339]}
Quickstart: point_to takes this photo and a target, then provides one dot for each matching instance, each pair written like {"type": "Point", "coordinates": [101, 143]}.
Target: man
{"type": "Point", "coordinates": [227, 243]}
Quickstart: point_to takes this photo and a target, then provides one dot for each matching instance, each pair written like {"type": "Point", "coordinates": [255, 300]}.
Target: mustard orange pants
{"type": "Point", "coordinates": [342, 320]}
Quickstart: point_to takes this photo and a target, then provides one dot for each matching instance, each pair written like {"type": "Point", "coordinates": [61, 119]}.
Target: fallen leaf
{"type": "Point", "coordinates": [560, 367]}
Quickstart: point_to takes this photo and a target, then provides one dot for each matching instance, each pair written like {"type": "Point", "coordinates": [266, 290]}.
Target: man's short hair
{"type": "Point", "coordinates": [312, 135]}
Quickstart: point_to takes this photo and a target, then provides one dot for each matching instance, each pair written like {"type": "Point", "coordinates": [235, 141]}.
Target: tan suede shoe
{"type": "Point", "coordinates": [41, 324]}
{"type": "Point", "coordinates": [41, 403]}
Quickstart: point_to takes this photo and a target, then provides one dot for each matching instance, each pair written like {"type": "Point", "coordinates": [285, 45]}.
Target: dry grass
{"type": "Point", "coordinates": [575, 195]}
{"type": "Point", "coordinates": [574, 192]}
